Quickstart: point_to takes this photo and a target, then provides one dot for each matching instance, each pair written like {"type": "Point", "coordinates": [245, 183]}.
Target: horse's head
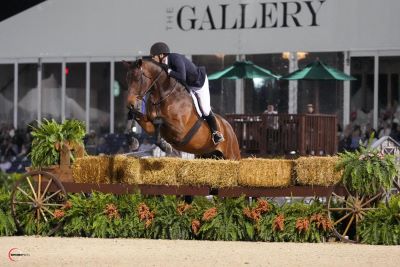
{"type": "Point", "coordinates": [136, 82]}
{"type": "Point", "coordinates": [141, 78]}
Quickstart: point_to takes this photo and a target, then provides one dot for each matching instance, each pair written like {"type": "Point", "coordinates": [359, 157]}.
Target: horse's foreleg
{"type": "Point", "coordinates": [146, 124]}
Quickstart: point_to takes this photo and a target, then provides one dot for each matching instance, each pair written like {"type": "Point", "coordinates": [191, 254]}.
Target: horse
{"type": "Point", "coordinates": [171, 112]}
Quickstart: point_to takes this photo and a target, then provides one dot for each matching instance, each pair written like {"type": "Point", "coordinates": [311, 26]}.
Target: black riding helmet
{"type": "Point", "coordinates": [159, 48]}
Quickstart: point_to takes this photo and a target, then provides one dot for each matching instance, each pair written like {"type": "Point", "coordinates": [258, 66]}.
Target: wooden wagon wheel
{"type": "Point", "coordinates": [37, 203]}
{"type": "Point", "coordinates": [347, 210]}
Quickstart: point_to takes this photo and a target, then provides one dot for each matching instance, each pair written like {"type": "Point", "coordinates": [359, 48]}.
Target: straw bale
{"type": "Point", "coordinates": [160, 171]}
{"type": "Point", "coordinates": [125, 169]}
{"type": "Point", "coordinates": [215, 173]}
{"type": "Point", "coordinates": [92, 169]}
{"type": "Point", "coordinates": [317, 171]}
{"type": "Point", "coordinates": [265, 172]}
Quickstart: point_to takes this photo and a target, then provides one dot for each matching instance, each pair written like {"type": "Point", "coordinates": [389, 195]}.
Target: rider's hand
{"type": "Point", "coordinates": [165, 67]}
{"type": "Point", "coordinates": [131, 115]}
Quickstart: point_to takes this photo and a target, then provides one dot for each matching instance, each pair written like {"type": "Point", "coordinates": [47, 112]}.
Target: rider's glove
{"type": "Point", "coordinates": [131, 115]}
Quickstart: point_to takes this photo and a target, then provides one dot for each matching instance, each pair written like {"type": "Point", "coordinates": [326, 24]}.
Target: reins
{"type": "Point", "coordinates": [140, 97]}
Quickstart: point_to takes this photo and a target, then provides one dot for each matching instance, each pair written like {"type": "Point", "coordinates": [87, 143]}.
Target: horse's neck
{"type": "Point", "coordinates": [168, 93]}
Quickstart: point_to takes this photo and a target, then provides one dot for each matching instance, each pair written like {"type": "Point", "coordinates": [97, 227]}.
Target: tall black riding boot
{"type": "Point", "coordinates": [217, 136]}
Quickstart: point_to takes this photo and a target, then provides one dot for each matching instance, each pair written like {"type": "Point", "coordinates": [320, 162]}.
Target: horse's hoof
{"type": "Point", "coordinates": [165, 147]}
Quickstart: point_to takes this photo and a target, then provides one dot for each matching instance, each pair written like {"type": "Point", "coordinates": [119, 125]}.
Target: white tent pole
{"type": "Point", "coordinates": [239, 91]}
{"type": "Point", "coordinates": [376, 95]}
{"type": "Point", "coordinates": [87, 96]}
{"type": "Point", "coordinates": [15, 119]}
{"type": "Point", "coordinates": [346, 91]}
{"type": "Point", "coordinates": [39, 90]}
{"type": "Point", "coordinates": [112, 75]}
{"type": "Point", "coordinates": [63, 90]}
{"type": "Point", "coordinates": [293, 65]}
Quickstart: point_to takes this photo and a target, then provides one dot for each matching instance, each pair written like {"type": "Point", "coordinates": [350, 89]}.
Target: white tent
{"type": "Point", "coordinates": [51, 103]}
{"type": "Point", "coordinates": [5, 108]}
{"type": "Point", "coordinates": [101, 28]}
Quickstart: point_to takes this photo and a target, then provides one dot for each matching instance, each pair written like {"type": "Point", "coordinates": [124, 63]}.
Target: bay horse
{"type": "Point", "coordinates": [171, 112]}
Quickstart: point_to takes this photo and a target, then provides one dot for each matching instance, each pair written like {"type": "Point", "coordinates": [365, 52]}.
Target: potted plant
{"type": "Point", "coordinates": [367, 171]}
{"type": "Point", "coordinates": [50, 138]}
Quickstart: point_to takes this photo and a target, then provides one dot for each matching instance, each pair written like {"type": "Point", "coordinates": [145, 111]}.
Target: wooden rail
{"type": "Point", "coordinates": [285, 133]}
{"type": "Point", "coordinates": [290, 191]}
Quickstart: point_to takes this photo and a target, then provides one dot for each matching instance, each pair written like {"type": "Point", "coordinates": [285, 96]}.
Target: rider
{"type": "Point", "coordinates": [191, 76]}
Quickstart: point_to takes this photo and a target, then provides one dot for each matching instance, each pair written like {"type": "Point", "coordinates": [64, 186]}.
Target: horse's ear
{"type": "Point", "coordinates": [139, 63]}
{"type": "Point", "coordinates": [127, 64]}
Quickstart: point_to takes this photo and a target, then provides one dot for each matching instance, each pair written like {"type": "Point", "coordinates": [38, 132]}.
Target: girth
{"type": "Point", "coordinates": [190, 134]}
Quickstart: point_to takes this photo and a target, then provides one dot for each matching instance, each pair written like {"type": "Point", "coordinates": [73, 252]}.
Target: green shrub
{"type": "Point", "coordinates": [225, 221]}
{"type": "Point", "coordinates": [173, 219]}
{"type": "Point", "coordinates": [7, 180]}
{"type": "Point", "coordinates": [295, 222]}
{"type": "Point", "coordinates": [168, 217]}
{"type": "Point", "coordinates": [382, 225]}
{"type": "Point", "coordinates": [7, 226]}
{"type": "Point", "coordinates": [367, 171]}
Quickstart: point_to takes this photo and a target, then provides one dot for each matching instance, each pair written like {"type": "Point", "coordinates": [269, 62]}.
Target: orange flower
{"type": "Point", "coordinates": [302, 224]}
{"type": "Point", "coordinates": [143, 211]}
{"type": "Point", "coordinates": [247, 212]}
{"type": "Point", "coordinates": [263, 206]}
{"type": "Point", "coordinates": [111, 211]}
{"type": "Point", "coordinates": [58, 214]}
{"type": "Point", "coordinates": [322, 221]}
{"type": "Point", "coordinates": [67, 205]}
{"type": "Point", "coordinates": [279, 223]}
{"type": "Point", "coordinates": [196, 226]}
{"type": "Point", "coordinates": [210, 214]}
{"type": "Point", "coordinates": [182, 207]}
{"type": "Point", "coordinates": [145, 214]}
{"type": "Point", "coordinates": [255, 215]}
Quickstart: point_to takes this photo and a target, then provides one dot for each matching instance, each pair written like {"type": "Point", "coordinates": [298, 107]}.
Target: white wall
{"type": "Point", "coordinates": [91, 28]}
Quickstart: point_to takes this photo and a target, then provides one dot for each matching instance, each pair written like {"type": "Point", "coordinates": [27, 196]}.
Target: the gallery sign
{"type": "Point", "coordinates": [240, 16]}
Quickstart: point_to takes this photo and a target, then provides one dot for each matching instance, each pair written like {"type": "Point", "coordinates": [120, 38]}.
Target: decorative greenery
{"type": "Point", "coordinates": [169, 217]}
{"type": "Point", "coordinates": [225, 221]}
{"type": "Point", "coordinates": [49, 137]}
{"type": "Point", "coordinates": [173, 219]}
{"type": "Point", "coordinates": [367, 171]}
{"type": "Point", "coordinates": [88, 216]}
{"type": "Point", "coordinates": [7, 226]}
{"type": "Point", "coordinates": [382, 225]}
{"type": "Point", "coordinates": [7, 180]}
{"type": "Point", "coordinates": [298, 222]}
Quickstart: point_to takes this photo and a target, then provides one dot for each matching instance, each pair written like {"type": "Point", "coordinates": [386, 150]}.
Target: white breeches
{"type": "Point", "coordinates": [203, 96]}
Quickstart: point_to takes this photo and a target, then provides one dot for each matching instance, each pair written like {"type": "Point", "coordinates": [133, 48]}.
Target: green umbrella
{"type": "Point", "coordinates": [318, 71]}
{"type": "Point", "coordinates": [243, 70]}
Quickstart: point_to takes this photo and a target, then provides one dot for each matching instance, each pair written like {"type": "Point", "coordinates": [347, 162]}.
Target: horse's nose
{"type": "Point", "coordinates": [131, 100]}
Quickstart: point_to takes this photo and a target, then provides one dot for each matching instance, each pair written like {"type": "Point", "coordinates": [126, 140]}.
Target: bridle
{"type": "Point", "coordinates": [150, 88]}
